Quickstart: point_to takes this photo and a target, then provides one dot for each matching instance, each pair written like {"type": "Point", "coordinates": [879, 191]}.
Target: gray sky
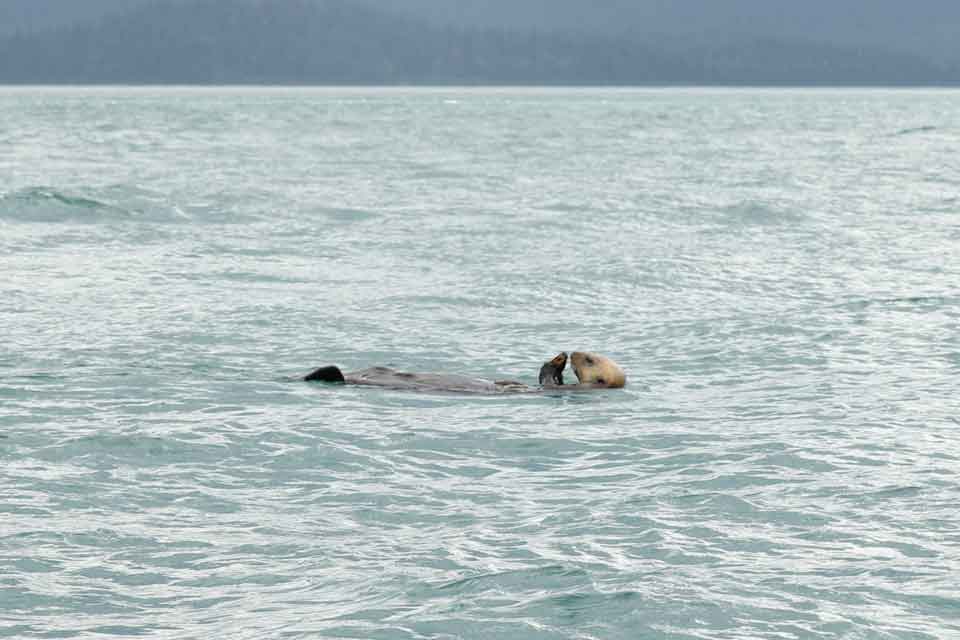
{"type": "Point", "coordinates": [927, 27]}
{"type": "Point", "coordinates": [924, 26]}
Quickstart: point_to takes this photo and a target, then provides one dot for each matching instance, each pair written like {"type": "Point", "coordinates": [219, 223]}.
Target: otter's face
{"type": "Point", "coordinates": [592, 368]}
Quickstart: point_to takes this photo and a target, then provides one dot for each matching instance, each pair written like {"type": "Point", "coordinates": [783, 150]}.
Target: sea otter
{"type": "Point", "coordinates": [592, 370]}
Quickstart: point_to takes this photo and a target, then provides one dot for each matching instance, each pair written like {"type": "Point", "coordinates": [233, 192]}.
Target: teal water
{"type": "Point", "coordinates": [777, 271]}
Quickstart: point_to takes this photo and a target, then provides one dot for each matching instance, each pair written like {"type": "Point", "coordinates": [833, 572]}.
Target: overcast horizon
{"type": "Point", "coordinates": [632, 42]}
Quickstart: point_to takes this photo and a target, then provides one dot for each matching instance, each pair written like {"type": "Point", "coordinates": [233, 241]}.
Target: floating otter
{"type": "Point", "coordinates": [592, 370]}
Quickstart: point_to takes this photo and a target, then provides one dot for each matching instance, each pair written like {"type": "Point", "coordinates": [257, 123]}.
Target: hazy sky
{"type": "Point", "coordinates": [929, 27]}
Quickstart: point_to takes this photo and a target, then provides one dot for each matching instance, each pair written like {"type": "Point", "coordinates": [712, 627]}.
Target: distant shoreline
{"type": "Point", "coordinates": [478, 87]}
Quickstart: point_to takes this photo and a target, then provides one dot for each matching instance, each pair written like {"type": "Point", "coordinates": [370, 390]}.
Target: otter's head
{"type": "Point", "coordinates": [592, 368]}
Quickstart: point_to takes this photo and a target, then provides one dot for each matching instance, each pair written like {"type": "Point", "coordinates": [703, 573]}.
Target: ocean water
{"type": "Point", "coordinates": [777, 270]}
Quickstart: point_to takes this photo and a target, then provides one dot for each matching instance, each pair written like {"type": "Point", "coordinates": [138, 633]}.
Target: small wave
{"type": "Point", "coordinates": [911, 130]}
{"type": "Point", "coordinates": [562, 207]}
{"type": "Point", "coordinates": [556, 576]}
{"type": "Point", "coordinates": [438, 174]}
{"type": "Point", "coordinates": [44, 204]}
{"type": "Point", "coordinates": [48, 204]}
{"type": "Point", "coordinates": [346, 215]}
{"type": "Point", "coordinates": [893, 492]}
{"type": "Point", "coordinates": [909, 302]}
{"type": "Point", "coordinates": [752, 213]}
{"type": "Point", "coordinates": [148, 450]}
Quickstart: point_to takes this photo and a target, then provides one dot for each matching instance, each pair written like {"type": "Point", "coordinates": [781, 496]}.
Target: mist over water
{"type": "Point", "coordinates": [776, 271]}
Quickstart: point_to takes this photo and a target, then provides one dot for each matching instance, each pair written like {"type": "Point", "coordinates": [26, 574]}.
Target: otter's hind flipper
{"type": "Point", "coordinates": [325, 374]}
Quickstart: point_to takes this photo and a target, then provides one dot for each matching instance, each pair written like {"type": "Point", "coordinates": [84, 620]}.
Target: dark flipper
{"type": "Point", "coordinates": [325, 374]}
{"type": "Point", "coordinates": [551, 373]}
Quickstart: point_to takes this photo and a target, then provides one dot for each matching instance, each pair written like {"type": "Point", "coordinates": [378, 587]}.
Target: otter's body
{"type": "Point", "coordinates": [392, 379]}
{"type": "Point", "coordinates": [592, 370]}
{"type": "Point", "coordinates": [551, 376]}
